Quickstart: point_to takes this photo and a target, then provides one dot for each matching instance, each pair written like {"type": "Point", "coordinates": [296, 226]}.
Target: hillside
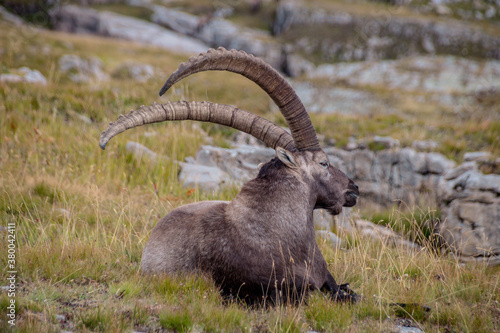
{"type": "Point", "coordinates": [82, 216]}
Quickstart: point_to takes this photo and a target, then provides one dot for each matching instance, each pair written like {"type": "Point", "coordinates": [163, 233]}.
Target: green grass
{"type": "Point", "coordinates": [83, 215]}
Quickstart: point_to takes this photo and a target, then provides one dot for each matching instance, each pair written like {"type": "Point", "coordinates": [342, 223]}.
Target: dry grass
{"type": "Point", "coordinates": [84, 215]}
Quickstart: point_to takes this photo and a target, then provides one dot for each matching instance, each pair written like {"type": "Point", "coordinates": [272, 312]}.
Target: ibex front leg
{"type": "Point", "coordinates": [340, 293]}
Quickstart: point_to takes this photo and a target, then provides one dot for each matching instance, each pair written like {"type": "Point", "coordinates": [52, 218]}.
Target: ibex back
{"type": "Point", "coordinates": [260, 245]}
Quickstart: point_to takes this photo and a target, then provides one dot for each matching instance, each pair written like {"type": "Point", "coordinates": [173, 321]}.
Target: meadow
{"type": "Point", "coordinates": [83, 216]}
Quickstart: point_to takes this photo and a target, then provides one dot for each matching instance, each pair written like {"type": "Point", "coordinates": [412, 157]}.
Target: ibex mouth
{"type": "Point", "coordinates": [351, 198]}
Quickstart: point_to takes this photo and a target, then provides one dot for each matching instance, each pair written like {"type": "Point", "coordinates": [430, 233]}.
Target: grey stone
{"type": "Point", "coordinates": [385, 141]}
{"type": "Point", "coordinates": [322, 219]}
{"type": "Point", "coordinates": [424, 145]}
{"type": "Point", "coordinates": [134, 70]}
{"type": "Point", "coordinates": [330, 237]}
{"type": "Point", "coordinates": [208, 178]}
{"type": "Point", "coordinates": [297, 65]}
{"type": "Point", "coordinates": [470, 207]}
{"type": "Point", "coordinates": [64, 212]}
{"type": "Point", "coordinates": [438, 164]}
{"type": "Point", "coordinates": [76, 19]}
{"type": "Point", "coordinates": [459, 170]}
{"type": "Point", "coordinates": [410, 74]}
{"type": "Point", "coordinates": [176, 20]}
{"type": "Point", "coordinates": [11, 78]}
{"type": "Point", "coordinates": [7, 16]}
{"type": "Point", "coordinates": [140, 151]}
{"type": "Point", "coordinates": [477, 156]}
{"type": "Point", "coordinates": [84, 118]}
{"type": "Point", "coordinates": [320, 99]}
{"type": "Point", "coordinates": [363, 161]}
{"type": "Point", "coordinates": [32, 76]}
{"type": "Point", "coordinates": [383, 234]}
{"type": "Point", "coordinates": [363, 38]}
{"type": "Point", "coordinates": [240, 163]}
{"type": "Point", "coordinates": [406, 329]}
{"type": "Point", "coordinates": [216, 31]}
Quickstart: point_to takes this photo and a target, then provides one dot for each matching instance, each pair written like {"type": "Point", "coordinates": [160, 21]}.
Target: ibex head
{"type": "Point", "coordinates": [331, 188]}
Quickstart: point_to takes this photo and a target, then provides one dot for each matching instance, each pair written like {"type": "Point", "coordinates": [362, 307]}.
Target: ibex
{"type": "Point", "coordinates": [261, 245]}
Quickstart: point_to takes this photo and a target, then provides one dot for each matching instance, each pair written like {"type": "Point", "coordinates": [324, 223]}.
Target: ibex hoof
{"type": "Point", "coordinates": [346, 295]}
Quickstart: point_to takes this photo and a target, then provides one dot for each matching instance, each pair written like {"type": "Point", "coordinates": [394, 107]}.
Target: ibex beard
{"type": "Point", "coordinates": [261, 245]}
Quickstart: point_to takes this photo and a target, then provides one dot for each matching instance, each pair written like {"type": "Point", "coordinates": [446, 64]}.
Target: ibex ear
{"type": "Point", "coordinates": [286, 157]}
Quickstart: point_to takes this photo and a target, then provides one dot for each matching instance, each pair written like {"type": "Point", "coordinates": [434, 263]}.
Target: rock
{"type": "Point", "coordinates": [208, 178]}
{"type": "Point", "coordinates": [424, 145]}
{"type": "Point", "coordinates": [477, 156]}
{"type": "Point", "coordinates": [82, 70]}
{"type": "Point", "coordinates": [76, 19]}
{"type": "Point", "coordinates": [32, 76]}
{"type": "Point", "coordinates": [356, 37]}
{"type": "Point", "coordinates": [176, 20]}
{"type": "Point", "coordinates": [240, 163]}
{"type": "Point", "coordinates": [242, 138]}
{"type": "Point", "coordinates": [297, 65]}
{"type": "Point", "coordinates": [437, 163]}
{"type": "Point", "coordinates": [454, 173]}
{"type": "Point", "coordinates": [406, 329]}
{"type": "Point", "coordinates": [385, 142]}
{"type": "Point", "coordinates": [362, 161]}
{"type": "Point", "coordinates": [24, 74]}
{"type": "Point", "coordinates": [318, 98]}
{"type": "Point", "coordinates": [322, 219]}
{"type": "Point", "coordinates": [7, 16]}
{"type": "Point", "coordinates": [410, 74]}
{"type": "Point", "coordinates": [84, 118]}
{"type": "Point", "coordinates": [139, 151]}
{"type": "Point", "coordinates": [383, 234]}
{"type": "Point", "coordinates": [216, 31]}
{"type": "Point", "coordinates": [442, 9]}
{"type": "Point", "coordinates": [330, 237]}
{"type": "Point", "coordinates": [11, 78]}
{"type": "Point", "coordinates": [64, 212]}
{"type": "Point", "coordinates": [384, 177]}
{"type": "Point", "coordinates": [470, 208]}
{"type": "Point", "coordinates": [135, 71]}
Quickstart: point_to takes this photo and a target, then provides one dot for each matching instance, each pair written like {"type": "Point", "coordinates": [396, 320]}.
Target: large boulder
{"type": "Point", "coordinates": [217, 31]}
{"type": "Point", "coordinates": [77, 19]}
{"type": "Point", "coordinates": [470, 208]}
{"type": "Point", "coordinates": [24, 74]}
{"type": "Point", "coordinates": [333, 35]}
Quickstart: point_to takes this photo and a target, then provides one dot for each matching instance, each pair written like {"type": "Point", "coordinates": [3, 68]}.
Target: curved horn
{"type": "Point", "coordinates": [227, 115]}
{"type": "Point", "coordinates": [266, 77]}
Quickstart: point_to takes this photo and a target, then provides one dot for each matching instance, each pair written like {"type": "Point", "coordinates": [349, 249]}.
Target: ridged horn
{"type": "Point", "coordinates": [262, 129]}
{"type": "Point", "coordinates": [263, 75]}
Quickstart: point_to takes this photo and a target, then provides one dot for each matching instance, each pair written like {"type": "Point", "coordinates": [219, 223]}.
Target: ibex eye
{"type": "Point", "coordinates": [324, 164]}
